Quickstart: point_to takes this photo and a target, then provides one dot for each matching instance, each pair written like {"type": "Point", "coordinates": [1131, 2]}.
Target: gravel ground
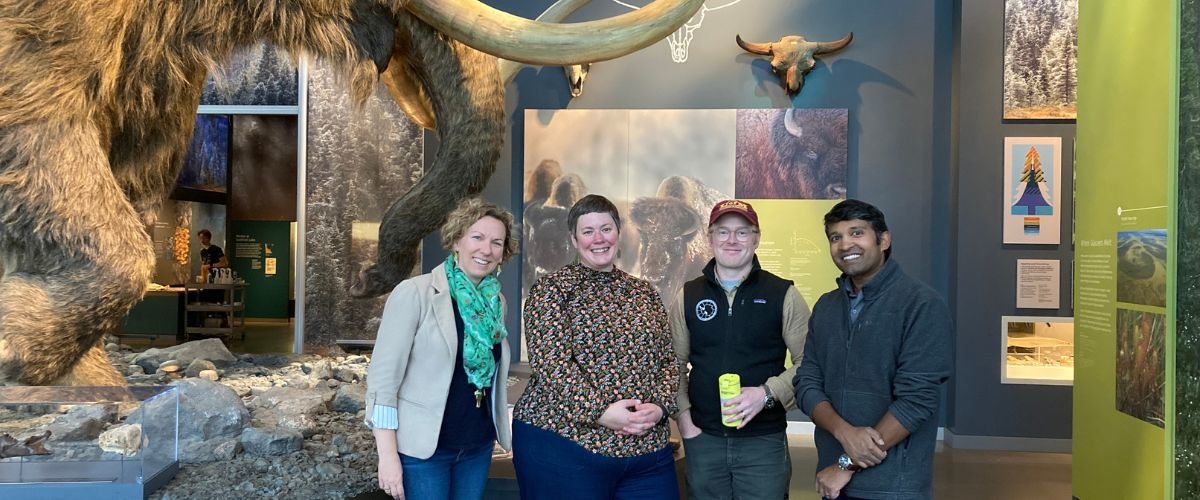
{"type": "Point", "coordinates": [337, 463]}
{"type": "Point", "coordinates": [321, 470]}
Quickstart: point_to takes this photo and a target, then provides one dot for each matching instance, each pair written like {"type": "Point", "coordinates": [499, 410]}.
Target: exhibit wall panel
{"type": "Point", "coordinates": [263, 168]}
{"type": "Point", "coordinates": [1127, 75]}
{"type": "Point", "coordinates": [359, 159]}
{"type": "Point", "coordinates": [985, 271]}
{"type": "Point", "coordinates": [260, 253]}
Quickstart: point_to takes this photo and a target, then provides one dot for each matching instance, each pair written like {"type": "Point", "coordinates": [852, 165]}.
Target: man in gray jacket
{"type": "Point", "coordinates": [879, 347]}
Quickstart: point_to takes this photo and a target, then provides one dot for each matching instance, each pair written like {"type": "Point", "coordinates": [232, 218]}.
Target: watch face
{"type": "Point", "coordinates": [844, 462]}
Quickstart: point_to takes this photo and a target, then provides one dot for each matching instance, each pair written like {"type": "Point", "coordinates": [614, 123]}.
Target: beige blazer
{"type": "Point", "coordinates": [413, 361]}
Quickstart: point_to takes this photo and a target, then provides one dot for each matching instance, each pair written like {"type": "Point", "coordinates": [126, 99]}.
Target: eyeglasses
{"type": "Point", "coordinates": [743, 234]}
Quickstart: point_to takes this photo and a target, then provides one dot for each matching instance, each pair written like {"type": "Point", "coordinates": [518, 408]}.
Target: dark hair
{"type": "Point", "coordinates": [851, 209]}
{"type": "Point", "coordinates": [204, 232]}
{"type": "Point", "coordinates": [591, 204]}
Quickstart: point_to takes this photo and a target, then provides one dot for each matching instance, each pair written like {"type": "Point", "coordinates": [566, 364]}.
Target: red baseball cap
{"type": "Point", "coordinates": [736, 207]}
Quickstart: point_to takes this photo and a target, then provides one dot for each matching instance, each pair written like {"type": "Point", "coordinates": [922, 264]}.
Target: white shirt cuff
{"type": "Point", "coordinates": [384, 417]}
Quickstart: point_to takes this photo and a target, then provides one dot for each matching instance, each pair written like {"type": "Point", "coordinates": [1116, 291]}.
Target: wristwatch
{"type": "Point", "coordinates": [844, 463]}
{"type": "Point", "coordinates": [768, 398]}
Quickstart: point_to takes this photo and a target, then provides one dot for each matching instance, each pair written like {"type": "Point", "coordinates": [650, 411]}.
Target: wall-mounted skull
{"type": "Point", "coordinates": [576, 74]}
{"type": "Point", "coordinates": [792, 57]}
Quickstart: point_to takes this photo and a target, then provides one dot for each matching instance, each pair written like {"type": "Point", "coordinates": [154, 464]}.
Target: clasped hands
{"type": "Point", "coordinates": [631, 417]}
{"type": "Point", "coordinates": [864, 446]}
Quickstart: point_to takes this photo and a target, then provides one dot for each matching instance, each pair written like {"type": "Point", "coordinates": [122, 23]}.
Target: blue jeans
{"type": "Point", "coordinates": [448, 474]}
{"type": "Point", "coordinates": [550, 466]}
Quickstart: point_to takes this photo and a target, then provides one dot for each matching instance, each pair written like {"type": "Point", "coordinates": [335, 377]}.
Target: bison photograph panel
{"type": "Point", "coordinates": [635, 158]}
{"type": "Point", "coordinates": [797, 154]}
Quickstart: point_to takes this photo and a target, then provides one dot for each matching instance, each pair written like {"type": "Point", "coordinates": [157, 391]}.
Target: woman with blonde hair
{"type": "Point", "coordinates": [436, 392]}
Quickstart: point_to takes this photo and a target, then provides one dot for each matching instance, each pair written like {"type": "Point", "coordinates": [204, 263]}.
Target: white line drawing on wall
{"type": "Point", "coordinates": [681, 39]}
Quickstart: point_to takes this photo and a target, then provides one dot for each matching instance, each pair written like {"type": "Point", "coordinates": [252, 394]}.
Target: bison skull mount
{"type": "Point", "coordinates": [792, 57]}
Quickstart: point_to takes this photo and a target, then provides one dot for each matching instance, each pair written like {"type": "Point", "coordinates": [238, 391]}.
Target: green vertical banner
{"type": "Point", "coordinates": [1123, 261]}
{"type": "Point", "coordinates": [1187, 311]}
{"type": "Point", "coordinates": [261, 255]}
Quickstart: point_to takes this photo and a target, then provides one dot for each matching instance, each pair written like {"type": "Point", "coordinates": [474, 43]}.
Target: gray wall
{"type": "Point", "coordinates": [986, 268]}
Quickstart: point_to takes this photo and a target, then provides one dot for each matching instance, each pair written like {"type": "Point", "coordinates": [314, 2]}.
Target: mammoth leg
{"type": "Point", "coordinates": [75, 254]}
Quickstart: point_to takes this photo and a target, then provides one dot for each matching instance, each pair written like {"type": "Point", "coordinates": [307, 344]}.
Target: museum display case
{"type": "Point", "coordinates": [87, 442]}
{"type": "Point", "coordinates": [1037, 350]}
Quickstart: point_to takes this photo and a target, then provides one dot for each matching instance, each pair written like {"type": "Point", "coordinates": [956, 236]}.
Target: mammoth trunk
{"type": "Point", "coordinates": [463, 86]}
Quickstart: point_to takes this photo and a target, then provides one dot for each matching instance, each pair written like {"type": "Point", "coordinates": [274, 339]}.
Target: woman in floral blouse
{"type": "Point", "coordinates": [592, 424]}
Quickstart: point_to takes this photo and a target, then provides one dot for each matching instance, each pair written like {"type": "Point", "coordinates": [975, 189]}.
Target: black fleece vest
{"type": "Point", "coordinates": [746, 339]}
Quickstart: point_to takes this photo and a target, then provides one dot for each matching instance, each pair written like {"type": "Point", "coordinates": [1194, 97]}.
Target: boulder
{"type": "Point", "coordinates": [125, 439]}
{"type": "Point", "coordinates": [291, 408]}
{"type": "Point", "coordinates": [209, 415]}
{"type": "Point", "coordinates": [271, 441]}
{"type": "Point", "coordinates": [196, 366]}
{"type": "Point", "coordinates": [81, 422]}
{"type": "Point", "coordinates": [350, 398]}
{"type": "Point", "coordinates": [210, 349]}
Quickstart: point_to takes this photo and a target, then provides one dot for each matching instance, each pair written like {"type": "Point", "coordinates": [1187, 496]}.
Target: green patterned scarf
{"type": "Point", "coordinates": [483, 325]}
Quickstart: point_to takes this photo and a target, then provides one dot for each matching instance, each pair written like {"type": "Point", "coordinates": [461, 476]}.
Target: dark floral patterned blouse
{"type": "Point", "coordinates": [595, 338]}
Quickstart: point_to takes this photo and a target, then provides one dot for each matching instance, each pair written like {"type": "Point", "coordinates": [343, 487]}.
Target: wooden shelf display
{"type": "Point", "coordinates": [216, 309]}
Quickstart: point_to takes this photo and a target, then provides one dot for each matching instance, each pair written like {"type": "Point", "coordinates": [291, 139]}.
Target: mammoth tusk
{"type": "Point", "coordinates": [789, 123]}
{"type": "Point", "coordinates": [553, 14]}
{"type": "Point", "coordinates": [409, 94]}
{"type": "Point", "coordinates": [826, 47]}
{"type": "Point", "coordinates": [510, 37]}
{"type": "Point", "coordinates": [762, 49]}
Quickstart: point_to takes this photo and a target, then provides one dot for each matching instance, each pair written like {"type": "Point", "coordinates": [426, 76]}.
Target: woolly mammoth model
{"type": "Point", "coordinates": [98, 99]}
{"type": "Point", "coordinates": [792, 57]}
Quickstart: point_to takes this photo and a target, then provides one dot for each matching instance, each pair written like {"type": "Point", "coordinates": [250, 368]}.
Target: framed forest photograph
{"type": "Point", "coordinates": [1040, 46]}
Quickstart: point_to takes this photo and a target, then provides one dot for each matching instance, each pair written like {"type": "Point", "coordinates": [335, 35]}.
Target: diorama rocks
{"type": "Point", "coordinates": [250, 426]}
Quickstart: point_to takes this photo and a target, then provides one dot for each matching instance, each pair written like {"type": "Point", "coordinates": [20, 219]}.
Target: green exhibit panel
{"type": "Point", "coordinates": [1122, 416]}
{"type": "Point", "coordinates": [260, 253]}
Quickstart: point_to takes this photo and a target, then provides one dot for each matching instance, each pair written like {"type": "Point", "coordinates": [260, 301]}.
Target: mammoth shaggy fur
{"type": "Point", "coordinates": [97, 102]}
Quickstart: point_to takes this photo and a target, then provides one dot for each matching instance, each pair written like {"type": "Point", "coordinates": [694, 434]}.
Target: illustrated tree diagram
{"type": "Point", "coordinates": [1032, 200]}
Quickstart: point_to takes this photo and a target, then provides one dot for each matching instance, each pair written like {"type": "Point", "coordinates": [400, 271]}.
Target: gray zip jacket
{"type": "Point", "coordinates": [893, 358]}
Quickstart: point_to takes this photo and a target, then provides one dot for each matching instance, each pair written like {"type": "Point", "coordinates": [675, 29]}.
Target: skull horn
{"type": "Point", "coordinates": [826, 47]}
{"type": "Point", "coordinates": [510, 37]}
{"type": "Point", "coordinates": [762, 49]}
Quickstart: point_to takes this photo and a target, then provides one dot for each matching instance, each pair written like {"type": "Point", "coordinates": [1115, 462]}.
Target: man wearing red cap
{"type": "Point", "coordinates": [737, 318]}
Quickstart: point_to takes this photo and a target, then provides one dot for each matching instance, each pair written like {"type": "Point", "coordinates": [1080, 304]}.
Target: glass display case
{"type": "Point", "coordinates": [1037, 350]}
{"type": "Point", "coordinates": [87, 442]}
